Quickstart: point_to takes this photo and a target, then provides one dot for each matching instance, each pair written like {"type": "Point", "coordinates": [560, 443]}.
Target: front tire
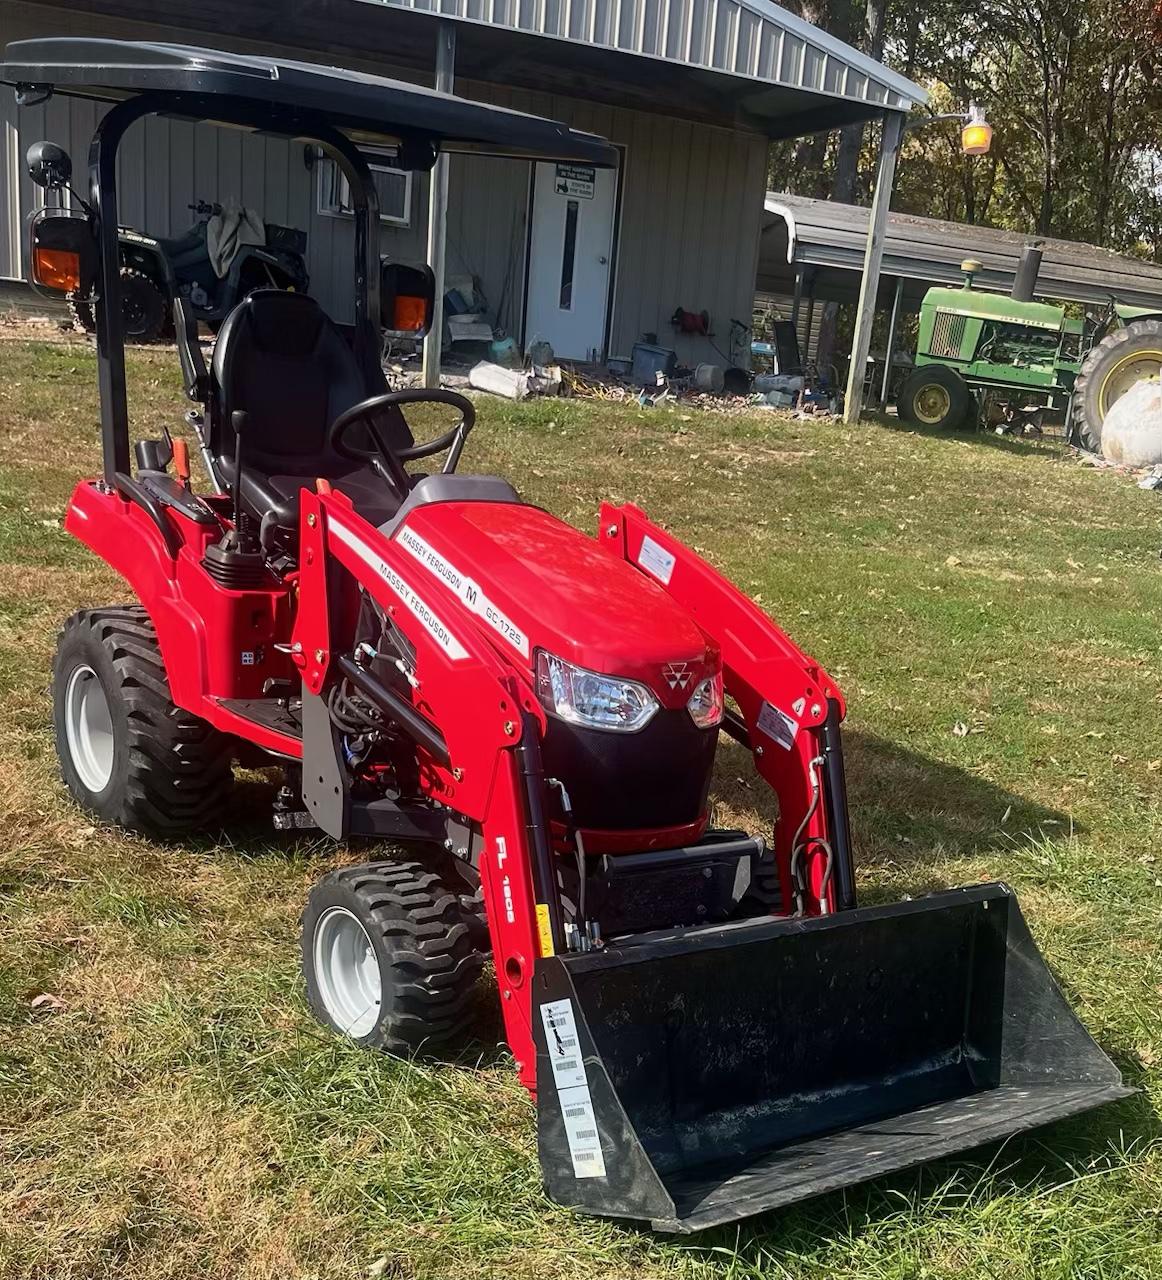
{"type": "Point", "coordinates": [935, 396]}
{"type": "Point", "coordinates": [127, 754]}
{"type": "Point", "coordinates": [1108, 371]}
{"type": "Point", "coordinates": [144, 308]}
{"type": "Point", "coordinates": [390, 958]}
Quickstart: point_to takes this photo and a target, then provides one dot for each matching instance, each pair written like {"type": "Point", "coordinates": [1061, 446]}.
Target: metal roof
{"type": "Point", "coordinates": [369, 108]}
{"type": "Point", "coordinates": [831, 238]}
{"type": "Point", "coordinates": [781, 73]}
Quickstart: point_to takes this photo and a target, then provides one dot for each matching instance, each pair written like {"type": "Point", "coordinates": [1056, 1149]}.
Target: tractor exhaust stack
{"type": "Point", "coordinates": [692, 1079]}
{"type": "Point", "coordinates": [1028, 269]}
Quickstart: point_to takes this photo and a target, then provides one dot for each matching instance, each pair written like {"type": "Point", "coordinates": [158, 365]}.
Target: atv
{"type": "Point", "coordinates": [154, 272]}
{"type": "Point", "coordinates": [710, 1023]}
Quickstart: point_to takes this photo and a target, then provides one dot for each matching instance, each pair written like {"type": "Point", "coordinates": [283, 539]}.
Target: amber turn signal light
{"type": "Point", "coordinates": [56, 268]}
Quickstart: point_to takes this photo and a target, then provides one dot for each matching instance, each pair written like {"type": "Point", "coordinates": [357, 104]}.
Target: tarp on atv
{"type": "Point", "coordinates": [702, 1076]}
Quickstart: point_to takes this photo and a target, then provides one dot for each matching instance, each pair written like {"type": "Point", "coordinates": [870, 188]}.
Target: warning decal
{"type": "Point", "coordinates": [656, 560]}
{"type": "Point", "coordinates": [431, 620]}
{"type": "Point", "coordinates": [572, 1089]}
{"type": "Point", "coordinates": [468, 591]}
{"type": "Point", "coordinates": [778, 725]}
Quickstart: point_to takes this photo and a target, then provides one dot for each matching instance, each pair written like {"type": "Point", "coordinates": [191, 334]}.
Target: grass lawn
{"type": "Point", "coordinates": [993, 611]}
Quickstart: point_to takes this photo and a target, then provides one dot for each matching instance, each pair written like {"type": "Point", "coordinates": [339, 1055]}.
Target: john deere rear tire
{"type": "Point", "coordinates": [390, 958]}
{"type": "Point", "coordinates": [1109, 370]}
{"type": "Point", "coordinates": [935, 396]}
{"type": "Point", "coordinates": [127, 754]}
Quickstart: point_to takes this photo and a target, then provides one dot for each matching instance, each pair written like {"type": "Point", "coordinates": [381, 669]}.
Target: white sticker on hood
{"type": "Point", "coordinates": [656, 560]}
{"type": "Point", "coordinates": [428, 616]}
{"type": "Point", "coordinates": [572, 1089]}
{"type": "Point", "coordinates": [463, 586]}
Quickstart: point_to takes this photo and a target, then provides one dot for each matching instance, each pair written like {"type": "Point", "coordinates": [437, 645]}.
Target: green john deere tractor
{"type": "Point", "coordinates": [1022, 357]}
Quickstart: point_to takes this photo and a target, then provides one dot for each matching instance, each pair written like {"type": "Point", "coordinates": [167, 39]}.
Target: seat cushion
{"type": "Point", "coordinates": [278, 493]}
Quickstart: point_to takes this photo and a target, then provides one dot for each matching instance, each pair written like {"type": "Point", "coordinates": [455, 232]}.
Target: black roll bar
{"type": "Point", "coordinates": [103, 195]}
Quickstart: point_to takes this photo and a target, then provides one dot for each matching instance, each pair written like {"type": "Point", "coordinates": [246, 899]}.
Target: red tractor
{"type": "Point", "coordinates": [710, 1024]}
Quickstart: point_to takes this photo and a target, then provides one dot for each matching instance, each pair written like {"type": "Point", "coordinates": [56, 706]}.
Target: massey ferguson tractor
{"type": "Point", "coordinates": [710, 1024]}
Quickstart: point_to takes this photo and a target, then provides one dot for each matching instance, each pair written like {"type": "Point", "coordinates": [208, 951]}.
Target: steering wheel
{"type": "Point", "coordinates": [387, 461]}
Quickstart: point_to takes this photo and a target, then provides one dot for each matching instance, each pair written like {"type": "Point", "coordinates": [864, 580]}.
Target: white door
{"type": "Point", "coordinates": [569, 257]}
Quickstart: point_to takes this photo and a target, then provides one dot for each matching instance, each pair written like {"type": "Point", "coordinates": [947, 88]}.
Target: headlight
{"type": "Point", "coordinates": [705, 705]}
{"type": "Point", "coordinates": [595, 701]}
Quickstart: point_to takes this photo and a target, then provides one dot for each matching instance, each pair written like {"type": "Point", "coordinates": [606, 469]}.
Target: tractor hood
{"type": "Point", "coordinates": [978, 305]}
{"type": "Point", "coordinates": [539, 583]}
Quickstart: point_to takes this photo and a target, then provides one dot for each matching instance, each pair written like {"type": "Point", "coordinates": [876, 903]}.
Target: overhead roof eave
{"type": "Point", "coordinates": [767, 68]}
{"type": "Point", "coordinates": [830, 238]}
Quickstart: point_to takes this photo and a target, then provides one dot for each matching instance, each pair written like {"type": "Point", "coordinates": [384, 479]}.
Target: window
{"type": "Point", "coordinates": [394, 187]}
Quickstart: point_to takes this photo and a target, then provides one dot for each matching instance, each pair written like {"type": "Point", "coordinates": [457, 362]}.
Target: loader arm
{"type": "Point", "coordinates": [789, 710]}
{"type": "Point", "coordinates": [488, 720]}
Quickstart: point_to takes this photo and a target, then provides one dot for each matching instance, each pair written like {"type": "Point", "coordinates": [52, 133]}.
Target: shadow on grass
{"type": "Point", "coordinates": [905, 808]}
{"type": "Point", "coordinates": [1046, 447]}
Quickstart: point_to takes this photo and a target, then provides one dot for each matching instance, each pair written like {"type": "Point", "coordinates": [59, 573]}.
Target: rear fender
{"type": "Point", "coordinates": [781, 692]}
{"type": "Point", "coordinates": [215, 644]}
{"type": "Point", "coordinates": [145, 254]}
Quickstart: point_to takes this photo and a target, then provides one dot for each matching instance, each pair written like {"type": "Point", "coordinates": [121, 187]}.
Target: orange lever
{"type": "Point", "coordinates": [181, 461]}
{"type": "Point", "coordinates": [323, 486]}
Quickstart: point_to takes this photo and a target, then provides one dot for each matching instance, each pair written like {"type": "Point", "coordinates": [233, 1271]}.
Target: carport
{"type": "Point", "coordinates": [813, 250]}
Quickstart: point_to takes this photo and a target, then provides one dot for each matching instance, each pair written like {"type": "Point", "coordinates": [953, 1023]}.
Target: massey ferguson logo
{"type": "Point", "coordinates": [677, 674]}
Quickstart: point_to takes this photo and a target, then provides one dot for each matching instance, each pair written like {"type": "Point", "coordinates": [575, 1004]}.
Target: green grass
{"type": "Point", "coordinates": [992, 610]}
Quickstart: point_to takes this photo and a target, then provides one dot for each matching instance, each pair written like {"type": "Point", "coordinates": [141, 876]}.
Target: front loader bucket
{"type": "Point", "coordinates": [695, 1078]}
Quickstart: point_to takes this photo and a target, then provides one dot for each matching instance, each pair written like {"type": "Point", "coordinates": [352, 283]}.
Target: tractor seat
{"type": "Point", "coordinates": [280, 358]}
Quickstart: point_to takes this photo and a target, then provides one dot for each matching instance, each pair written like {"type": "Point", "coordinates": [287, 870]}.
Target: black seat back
{"type": "Point", "coordinates": [281, 359]}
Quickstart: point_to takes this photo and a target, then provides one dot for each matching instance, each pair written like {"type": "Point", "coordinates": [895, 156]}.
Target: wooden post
{"type": "Point", "coordinates": [438, 207]}
{"type": "Point", "coordinates": [873, 257]}
{"type": "Point", "coordinates": [891, 343]}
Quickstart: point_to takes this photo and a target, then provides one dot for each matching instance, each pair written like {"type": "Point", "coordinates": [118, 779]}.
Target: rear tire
{"type": "Point", "coordinates": [390, 958]}
{"type": "Point", "coordinates": [935, 396]}
{"type": "Point", "coordinates": [1136, 348]}
{"type": "Point", "coordinates": [127, 754]}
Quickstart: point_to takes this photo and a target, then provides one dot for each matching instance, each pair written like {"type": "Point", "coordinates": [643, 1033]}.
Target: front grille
{"type": "Point", "coordinates": [947, 335]}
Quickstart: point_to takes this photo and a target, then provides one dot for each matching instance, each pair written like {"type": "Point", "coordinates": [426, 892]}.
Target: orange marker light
{"type": "Point", "coordinates": [410, 315]}
{"type": "Point", "coordinates": [56, 268]}
{"type": "Point", "coordinates": [976, 138]}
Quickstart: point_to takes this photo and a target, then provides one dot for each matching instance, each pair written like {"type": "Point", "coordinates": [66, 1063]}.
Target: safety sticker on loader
{"type": "Point", "coordinates": [656, 560]}
{"type": "Point", "coordinates": [572, 1089]}
{"type": "Point", "coordinates": [778, 725]}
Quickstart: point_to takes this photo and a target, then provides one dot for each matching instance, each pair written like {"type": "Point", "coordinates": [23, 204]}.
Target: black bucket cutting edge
{"type": "Point", "coordinates": [703, 1076]}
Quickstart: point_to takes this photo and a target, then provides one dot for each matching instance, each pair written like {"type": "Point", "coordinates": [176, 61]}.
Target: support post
{"type": "Point", "coordinates": [891, 343]}
{"type": "Point", "coordinates": [438, 207]}
{"type": "Point", "coordinates": [798, 296]}
{"type": "Point", "coordinates": [872, 259]}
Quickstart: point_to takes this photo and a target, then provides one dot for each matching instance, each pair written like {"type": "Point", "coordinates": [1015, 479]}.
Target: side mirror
{"type": "Point", "coordinates": [407, 299]}
{"type": "Point", "coordinates": [49, 166]}
{"type": "Point", "coordinates": [62, 256]}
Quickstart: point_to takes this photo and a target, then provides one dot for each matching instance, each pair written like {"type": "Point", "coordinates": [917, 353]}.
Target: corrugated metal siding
{"type": "Point", "coordinates": [691, 205]}
{"type": "Point", "coordinates": [750, 38]}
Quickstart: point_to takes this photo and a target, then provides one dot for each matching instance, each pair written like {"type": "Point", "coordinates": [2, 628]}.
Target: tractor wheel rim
{"type": "Point", "coordinates": [932, 402]}
{"type": "Point", "coordinates": [89, 729]}
{"type": "Point", "coordinates": [347, 972]}
{"type": "Point", "coordinates": [1128, 372]}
